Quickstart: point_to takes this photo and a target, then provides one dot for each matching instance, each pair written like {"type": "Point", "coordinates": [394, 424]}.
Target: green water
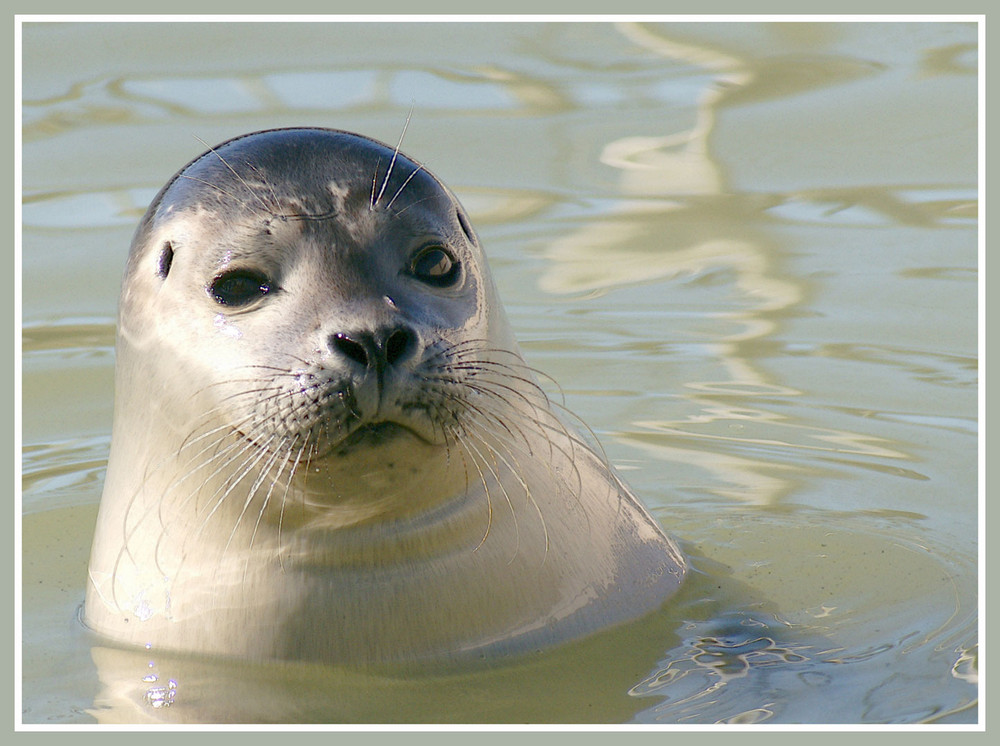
{"type": "Point", "coordinates": [746, 252]}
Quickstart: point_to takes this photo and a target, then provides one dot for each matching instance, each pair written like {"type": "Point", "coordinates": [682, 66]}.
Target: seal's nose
{"type": "Point", "coordinates": [377, 349]}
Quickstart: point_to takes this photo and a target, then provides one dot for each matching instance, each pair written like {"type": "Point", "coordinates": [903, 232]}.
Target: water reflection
{"type": "Point", "coordinates": [640, 239]}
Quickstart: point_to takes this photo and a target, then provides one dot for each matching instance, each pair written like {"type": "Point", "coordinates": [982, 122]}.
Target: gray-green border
{"type": "Point", "coordinates": [430, 8]}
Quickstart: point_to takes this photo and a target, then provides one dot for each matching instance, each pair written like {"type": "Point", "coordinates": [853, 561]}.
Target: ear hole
{"type": "Point", "coordinates": [166, 259]}
{"type": "Point", "coordinates": [466, 228]}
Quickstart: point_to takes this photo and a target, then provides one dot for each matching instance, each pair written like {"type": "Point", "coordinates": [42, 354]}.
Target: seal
{"type": "Point", "coordinates": [326, 443]}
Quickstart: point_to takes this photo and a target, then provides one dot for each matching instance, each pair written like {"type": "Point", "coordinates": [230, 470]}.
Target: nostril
{"type": "Point", "coordinates": [398, 344]}
{"type": "Point", "coordinates": [351, 349]}
{"type": "Point", "coordinates": [385, 347]}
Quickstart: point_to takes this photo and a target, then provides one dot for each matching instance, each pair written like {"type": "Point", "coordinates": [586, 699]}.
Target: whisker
{"type": "Point", "coordinates": [469, 444]}
{"type": "Point", "coordinates": [395, 154]}
{"type": "Point", "coordinates": [403, 186]}
{"type": "Point", "coordinates": [515, 472]}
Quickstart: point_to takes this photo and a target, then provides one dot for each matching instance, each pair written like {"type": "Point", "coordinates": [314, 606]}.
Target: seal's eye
{"type": "Point", "coordinates": [239, 287]}
{"type": "Point", "coordinates": [435, 266]}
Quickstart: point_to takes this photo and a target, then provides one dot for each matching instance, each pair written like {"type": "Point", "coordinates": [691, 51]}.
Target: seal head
{"type": "Point", "coordinates": [326, 444]}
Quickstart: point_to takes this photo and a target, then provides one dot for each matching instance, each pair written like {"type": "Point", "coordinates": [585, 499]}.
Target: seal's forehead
{"type": "Point", "coordinates": [300, 171]}
{"type": "Point", "coordinates": [296, 151]}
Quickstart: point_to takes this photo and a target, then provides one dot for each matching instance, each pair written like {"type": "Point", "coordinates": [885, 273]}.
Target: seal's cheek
{"type": "Point", "coordinates": [225, 327]}
{"type": "Point", "coordinates": [444, 308]}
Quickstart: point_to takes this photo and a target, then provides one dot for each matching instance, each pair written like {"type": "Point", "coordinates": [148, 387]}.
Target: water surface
{"type": "Point", "coordinates": [746, 252]}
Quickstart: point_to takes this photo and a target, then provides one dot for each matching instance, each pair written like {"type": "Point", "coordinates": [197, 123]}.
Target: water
{"type": "Point", "coordinates": [747, 252]}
